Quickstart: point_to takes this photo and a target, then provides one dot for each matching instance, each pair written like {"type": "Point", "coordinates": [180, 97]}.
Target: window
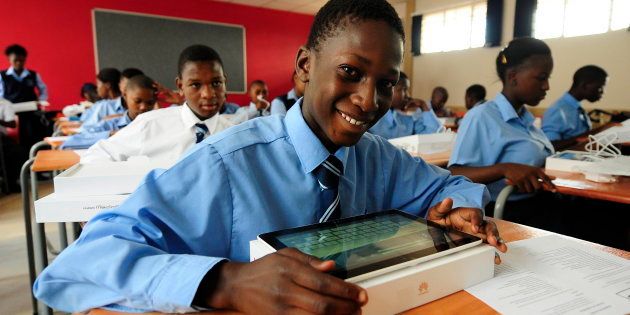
{"type": "Point", "coordinates": [454, 29]}
{"type": "Point", "coordinates": [568, 18]}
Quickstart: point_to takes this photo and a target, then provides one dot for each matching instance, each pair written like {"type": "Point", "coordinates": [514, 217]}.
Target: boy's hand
{"type": "Point", "coordinates": [262, 104]}
{"type": "Point", "coordinates": [287, 281]}
{"type": "Point", "coordinates": [469, 220]}
{"type": "Point", "coordinates": [527, 179]}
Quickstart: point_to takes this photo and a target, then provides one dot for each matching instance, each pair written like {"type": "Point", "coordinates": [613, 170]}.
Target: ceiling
{"type": "Point", "coordinates": [298, 6]}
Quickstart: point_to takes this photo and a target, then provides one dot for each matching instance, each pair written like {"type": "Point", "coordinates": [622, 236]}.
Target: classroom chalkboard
{"type": "Point", "coordinates": [153, 43]}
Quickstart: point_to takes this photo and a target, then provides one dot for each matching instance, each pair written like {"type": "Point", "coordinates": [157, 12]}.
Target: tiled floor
{"type": "Point", "coordinates": [14, 282]}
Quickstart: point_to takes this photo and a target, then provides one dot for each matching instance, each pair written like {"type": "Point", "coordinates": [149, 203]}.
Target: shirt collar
{"type": "Point", "coordinates": [190, 119]}
{"type": "Point", "coordinates": [310, 150]}
{"type": "Point", "coordinates": [22, 75]}
{"type": "Point", "coordinates": [124, 120]}
{"type": "Point", "coordinates": [118, 105]}
{"type": "Point", "coordinates": [291, 95]}
{"type": "Point", "coordinates": [508, 113]}
{"type": "Point", "coordinates": [252, 106]}
{"type": "Point", "coordinates": [389, 116]}
{"type": "Point", "coordinates": [569, 99]}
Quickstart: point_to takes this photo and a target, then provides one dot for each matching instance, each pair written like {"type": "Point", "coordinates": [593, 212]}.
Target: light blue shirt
{"type": "Point", "coordinates": [395, 124]}
{"type": "Point", "coordinates": [41, 86]}
{"type": "Point", "coordinates": [100, 110]}
{"type": "Point", "coordinates": [152, 252]}
{"type": "Point", "coordinates": [565, 119]}
{"type": "Point", "coordinates": [495, 133]}
{"type": "Point", "coordinates": [278, 107]}
{"type": "Point", "coordinates": [429, 118]}
{"type": "Point", "coordinates": [230, 108]}
{"type": "Point", "coordinates": [108, 125]}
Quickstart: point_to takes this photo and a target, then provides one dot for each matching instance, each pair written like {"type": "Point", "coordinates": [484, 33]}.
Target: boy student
{"type": "Point", "coordinates": [258, 105]}
{"type": "Point", "coordinates": [127, 74]}
{"type": "Point", "coordinates": [167, 133]}
{"type": "Point", "coordinates": [566, 119]}
{"type": "Point", "coordinates": [475, 95]}
{"type": "Point", "coordinates": [397, 124]}
{"type": "Point", "coordinates": [282, 103]}
{"type": "Point", "coordinates": [181, 241]}
{"type": "Point", "coordinates": [108, 88]}
{"type": "Point", "coordinates": [439, 96]}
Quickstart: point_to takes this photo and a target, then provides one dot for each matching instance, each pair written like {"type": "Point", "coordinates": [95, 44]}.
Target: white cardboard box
{"type": "Point", "coordinates": [56, 208]}
{"type": "Point", "coordinates": [568, 161]}
{"type": "Point", "coordinates": [425, 144]}
{"type": "Point", "coordinates": [413, 286]}
{"type": "Point", "coordinates": [104, 178]}
{"type": "Point", "coordinates": [24, 107]}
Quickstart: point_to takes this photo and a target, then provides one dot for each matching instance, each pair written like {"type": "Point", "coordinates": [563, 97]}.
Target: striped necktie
{"type": "Point", "coordinates": [201, 130]}
{"type": "Point", "coordinates": [328, 174]}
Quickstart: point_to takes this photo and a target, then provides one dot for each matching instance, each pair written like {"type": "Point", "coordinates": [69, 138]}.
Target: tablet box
{"type": "Point", "coordinates": [104, 178]}
{"type": "Point", "coordinates": [24, 107]}
{"type": "Point", "coordinates": [413, 286]}
{"type": "Point", "coordinates": [425, 144]}
{"type": "Point", "coordinates": [58, 208]}
{"type": "Point", "coordinates": [568, 161]}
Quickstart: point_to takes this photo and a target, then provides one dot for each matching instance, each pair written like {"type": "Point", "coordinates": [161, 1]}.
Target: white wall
{"type": "Point", "coordinates": [458, 69]}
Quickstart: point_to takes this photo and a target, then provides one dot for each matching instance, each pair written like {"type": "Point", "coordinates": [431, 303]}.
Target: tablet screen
{"type": "Point", "coordinates": [370, 242]}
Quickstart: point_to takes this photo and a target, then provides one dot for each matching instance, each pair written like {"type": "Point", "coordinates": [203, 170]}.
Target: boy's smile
{"type": "Point", "coordinates": [350, 79]}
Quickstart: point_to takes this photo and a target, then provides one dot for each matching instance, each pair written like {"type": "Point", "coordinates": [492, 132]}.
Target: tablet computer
{"type": "Point", "coordinates": [368, 245]}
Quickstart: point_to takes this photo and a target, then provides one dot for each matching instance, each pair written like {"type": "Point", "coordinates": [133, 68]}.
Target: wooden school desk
{"type": "Point", "coordinates": [460, 302]}
{"type": "Point", "coordinates": [570, 183]}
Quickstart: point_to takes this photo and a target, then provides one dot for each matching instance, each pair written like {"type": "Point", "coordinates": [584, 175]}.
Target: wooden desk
{"type": "Point", "coordinates": [55, 142]}
{"type": "Point", "coordinates": [54, 160]}
{"type": "Point", "coordinates": [460, 302]}
{"type": "Point", "coordinates": [575, 184]}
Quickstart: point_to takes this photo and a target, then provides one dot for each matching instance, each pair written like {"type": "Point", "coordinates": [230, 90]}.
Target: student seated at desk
{"type": "Point", "coordinates": [181, 240]}
{"type": "Point", "coordinates": [108, 88]}
{"type": "Point", "coordinates": [396, 124]}
{"type": "Point", "coordinates": [565, 120]}
{"type": "Point", "coordinates": [258, 105]}
{"type": "Point", "coordinates": [439, 96]}
{"type": "Point", "coordinates": [497, 143]}
{"type": "Point", "coordinates": [475, 96]}
{"type": "Point", "coordinates": [127, 74]}
{"type": "Point", "coordinates": [167, 133]}
{"type": "Point", "coordinates": [281, 104]}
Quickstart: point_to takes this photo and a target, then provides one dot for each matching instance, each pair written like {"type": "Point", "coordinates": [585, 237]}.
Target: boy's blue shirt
{"type": "Point", "coordinates": [565, 119]}
{"type": "Point", "coordinates": [100, 110]}
{"type": "Point", "coordinates": [152, 252]}
{"type": "Point", "coordinates": [494, 133]}
{"type": "Point", "coordinates": [395, 124]}
{"type": "Point", "coordinates": [108, 125]}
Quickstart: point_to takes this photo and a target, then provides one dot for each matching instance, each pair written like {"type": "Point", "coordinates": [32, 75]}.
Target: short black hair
{"type": "Point", "coordinates": [588, 74]}
{"type": "Point", "coordinates": [197, 53]}
{"type": "Point", "coordinates": [87, 88]}
{"type": "Point", "coordinates": [111, 76]}
{"type": "Point", "coordinates": [442, 90]}
{"type": "Point", "coordinates": [477, 92]}
{"type": "Point", "coordinates": [129, 73]}
{"type": "Point", "coordinates": [261, 82]}
{"type": "Point", "coordinates": [336, 14]}
{"type": "Point", "coordinates": [15, 49]}
{"type": "Point", "coordinates": [141, 81]}
{"type": "Point", "coordinates": [517, 52]}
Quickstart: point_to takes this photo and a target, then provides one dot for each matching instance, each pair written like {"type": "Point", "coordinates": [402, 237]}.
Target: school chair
{"type": "Point", "coordinates": [499, 204]}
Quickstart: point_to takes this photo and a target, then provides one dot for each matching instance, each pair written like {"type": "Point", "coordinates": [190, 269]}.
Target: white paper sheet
{"type": "Point", "coordinates": [557, 275]}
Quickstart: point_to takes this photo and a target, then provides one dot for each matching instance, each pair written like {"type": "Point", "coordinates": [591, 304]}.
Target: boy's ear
{"type": "Point", "coordinates": [303, 64]}
{"type": "Point", "coordinates": [180, 85]}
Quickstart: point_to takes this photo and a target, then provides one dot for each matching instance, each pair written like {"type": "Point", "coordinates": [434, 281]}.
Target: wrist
{"type": "Point", "coordinates": [216, 285]}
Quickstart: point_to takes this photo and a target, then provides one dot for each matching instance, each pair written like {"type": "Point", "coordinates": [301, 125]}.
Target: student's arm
{"type": "Point", "coordinates": [277, 107]}
{"type": "Point", "coordinates": [41, 86]}
{"type": "Point", "coordinates": [526, 178]}
{"type": "Point", "coordinates": [119, 147]}
{"type": "Point", "coordinates": [170, 240]}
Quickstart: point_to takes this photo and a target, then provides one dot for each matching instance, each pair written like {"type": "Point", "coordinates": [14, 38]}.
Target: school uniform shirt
{"type": "Point", "coordinates": [395, 124]}
{"type": "Point", "coordinates": [429, 118]}
{"type": "Point", "coordinates": [246, 113]}
{"type": "Point", "coordinates": [565, 119]}
{"type": "Point", "coordinates": [7, 114]}
{"type": "Point", "coordinates": [277, 105]}
{"type": "Point", "coordinates": [113, 124]}
{"type": "Point", "coordinates": [100, 110]}
{"type": "Point", "coordinates": [22, 79]}
{"type": "Point", "coordinates": [495, 133]}
{"type": "Point", "coordinates": [155, 248]}
{"type": "Point", "coordinates": [229, 108]}
{"type": "Point", "coordinates": [162, 134]}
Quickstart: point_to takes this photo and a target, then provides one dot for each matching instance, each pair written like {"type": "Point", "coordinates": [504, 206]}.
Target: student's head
{"type": "Point", "coordinates": [107, 83]}
{"type": "Point", "coordinates": [439, 96]}
{"type": "Point", "coordinates": [88, 92]}
{"type": "Point", "coordinates": [127, 74]}
{"type": "Point", "coordinates": [17, 56]}
{"type": "Point", "coordinates": [258, 88]}
{"type": "Point", "coordinates": [524, 67]}
{"type": "Point", "coordinates": [201, 80]}
{"type": "Point", "coordinates": [350, 65]}
{"type": "Point", "coordinates": [401, 92]}
{"type": "Point", "coordinates": [588, 83]}
{"type": "Point", "coordinates": [298, 85]}
{"type": "Point", "coordinates": [140, 95]}
{"type": "Point", "coordinates": [474, 94]}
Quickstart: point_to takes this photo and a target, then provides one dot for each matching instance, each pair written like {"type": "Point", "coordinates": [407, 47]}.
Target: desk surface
{"type": "Point", "coordinates": [461, 302]}
{"type": "Point", "coordinates": [575, 184]}
{"type": "Point", "coordinates": [54, 160]}
{"type": "Point", "coordinates": [439, 159]}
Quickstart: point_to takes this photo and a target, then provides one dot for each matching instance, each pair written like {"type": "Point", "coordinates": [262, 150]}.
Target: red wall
{"type": "Point", "coordinates": [59, 40]}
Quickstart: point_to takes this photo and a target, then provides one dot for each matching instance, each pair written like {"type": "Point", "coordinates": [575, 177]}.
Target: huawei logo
{"type": "Point", "coordinates": [423, 288]}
